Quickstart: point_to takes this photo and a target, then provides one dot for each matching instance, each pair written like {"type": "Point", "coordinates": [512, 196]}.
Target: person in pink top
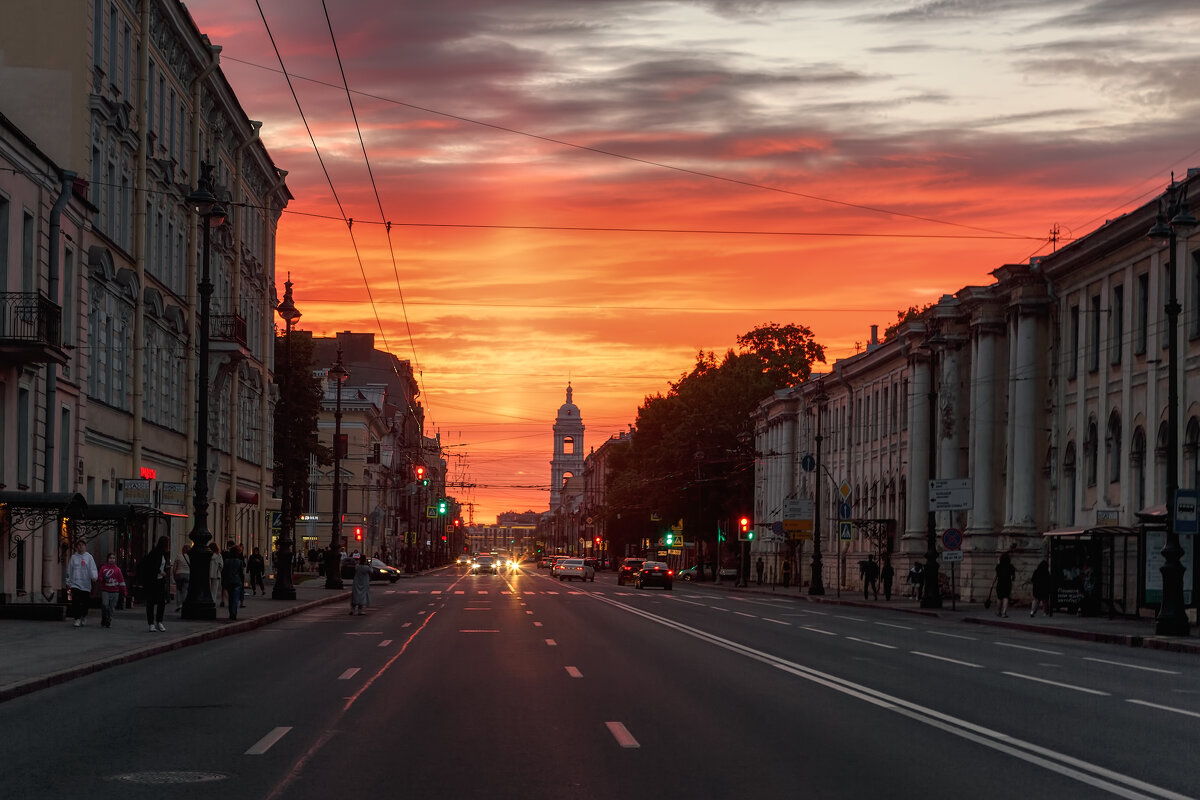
{"type": "Point", "coordinates": [112, 586]}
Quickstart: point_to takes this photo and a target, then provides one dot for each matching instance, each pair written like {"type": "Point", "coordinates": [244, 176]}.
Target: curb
{"type": "Point", "coordinates": [240, 626]}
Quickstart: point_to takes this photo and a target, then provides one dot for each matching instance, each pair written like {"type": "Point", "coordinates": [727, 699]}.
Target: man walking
{"type": "Point", "coordinates": [869, 571]}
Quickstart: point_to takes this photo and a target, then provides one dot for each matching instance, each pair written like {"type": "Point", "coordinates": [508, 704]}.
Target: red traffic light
{"type": "Point", "coordinates": [744, 524]}
{"type": "Point", "coordinates": [598, 541]}
{"type": "Point", "coordinates": [358, 534]}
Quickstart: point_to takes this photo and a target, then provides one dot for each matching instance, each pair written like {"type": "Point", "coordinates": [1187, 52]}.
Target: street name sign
{"type": "Point", "coordinates": [949, 494]}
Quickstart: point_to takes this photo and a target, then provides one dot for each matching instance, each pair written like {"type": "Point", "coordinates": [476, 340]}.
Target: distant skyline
{"type": "Point", "coordinates": [593, 191]}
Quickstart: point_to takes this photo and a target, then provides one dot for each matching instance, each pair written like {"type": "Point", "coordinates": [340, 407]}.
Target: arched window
{"type": "Point", "coordinates": [1069, 484]}
{"type": "Point", "coordinates": [1160, 464]}
{"type": "Point", "coordinates": [568, 445]}
{"type": "Point", "coordinates": [1090, 453]}
{"type": "Point", "coordinates": [1137, 467]}
{"type": "Point", "coordinates": [1191, 465]}
{"type": "Point", "coordinates": [1113, 447]}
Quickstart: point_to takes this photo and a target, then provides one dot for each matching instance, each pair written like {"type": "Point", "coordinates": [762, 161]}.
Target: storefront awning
{"type": "Point", "coordinates": [247, 496]}
{"type": "Point", "coordinates": [31, 510]}
{"type": "Point", "coordinates": [98, 518]}
{"type": "Point", "coordinates": [1100, 530]}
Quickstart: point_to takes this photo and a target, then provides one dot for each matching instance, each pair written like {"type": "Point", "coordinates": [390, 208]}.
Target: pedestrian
{"type": "Point", "coordinates": [916, 579]}
{"type": "Point", "coordinates": [787, 573]}
{"type": "Point", "coordinates": [182, 569]}
{"type": "Point", "coordinates": [758, 568]}
{"type": "Point", "coordinates": [1041, 588]}
{"type": "Point", "coordinates": [81, 571]}
{"type": "Point", "coordinates": [360, 591]}
{"type": "Point", "coordinates": [869, 572]}
{"type": "Point", "coordinates": [257, 566]}
{"type": "Point", "coordinates": [112, 587]}
{"type": "Point", "coordinates": [233, 578]}
{"type": "Point", "coordinates": [152, 572]}
{"type": "Point", "coordinates": [214, 573]}
{"type": "Point", "coordinates": [1005, 573]}
{"type": "Point", "coordinates": [887, 574]}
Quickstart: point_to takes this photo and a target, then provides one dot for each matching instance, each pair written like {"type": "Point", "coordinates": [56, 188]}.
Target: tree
{"type": "Point", "coordinates": [908, 315]}
{"type": "Point", "coordinates": [296, 414]}
{"type": "Point", "coordinates": [787, 352]}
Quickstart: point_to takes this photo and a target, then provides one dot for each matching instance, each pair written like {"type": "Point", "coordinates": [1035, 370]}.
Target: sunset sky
{"type": "Point", "coordinates": [594, 190]}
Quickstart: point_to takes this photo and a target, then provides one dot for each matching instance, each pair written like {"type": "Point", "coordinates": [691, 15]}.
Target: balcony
{"type": "Point", "coordinates": [30, 329]}
{"type": "Point", "coordinates": [227, 337]}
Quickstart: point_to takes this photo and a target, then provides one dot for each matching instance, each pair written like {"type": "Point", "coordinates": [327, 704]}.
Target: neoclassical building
{"type": "Point", "coordinates": [127, 100]}
{"type": "Point", "coordinates": [1046, 391]}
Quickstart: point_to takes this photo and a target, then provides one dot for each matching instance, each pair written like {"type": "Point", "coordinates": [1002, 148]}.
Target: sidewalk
{"type": "Point", "coordinates": [37, 654]}
{"type": "Point", "coordinates": [1125, 631]}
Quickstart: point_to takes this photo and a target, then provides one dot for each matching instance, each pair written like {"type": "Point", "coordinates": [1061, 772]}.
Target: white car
{"type": "Point", "coordinates": [572, 568]}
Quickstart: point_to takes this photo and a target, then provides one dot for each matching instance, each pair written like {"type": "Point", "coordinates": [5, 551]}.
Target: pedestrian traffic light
{"type": "Point", "coordinates": [357, 534]}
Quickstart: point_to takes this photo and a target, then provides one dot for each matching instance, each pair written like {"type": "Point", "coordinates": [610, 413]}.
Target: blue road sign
{"type": "Point", "coordinates": [844, 510]}
{"type": "Point", "coordinates": [808, 463]}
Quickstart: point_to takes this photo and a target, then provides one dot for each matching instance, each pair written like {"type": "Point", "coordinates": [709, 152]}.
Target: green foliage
{"type": "Point", "coordinates": [296, 414]}
{"type": "Point", "coordinates": [691, 457]}
{"type": "Point", "coordinates": [908, 315]}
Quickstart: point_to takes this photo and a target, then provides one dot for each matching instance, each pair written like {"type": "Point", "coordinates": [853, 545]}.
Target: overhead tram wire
{"type": "Point", "coordinates": [648, 162]}
{"type": "Point", "coordinates": [382, 216]}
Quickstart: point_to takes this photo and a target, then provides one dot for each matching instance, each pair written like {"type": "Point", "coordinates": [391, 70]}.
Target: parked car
{"type": "Point", "coordinates": [484, 564]}
{"type": "Point", "coordinates": [568, 569]}
{"type": "Point", "coordinates": [689, 574]}
{"type": "Point", "coordinates": [379, 570]}
{"type": "Point", "coordinates": [628, 570]}
{"type": "Point", "coordinates": [654, 573]}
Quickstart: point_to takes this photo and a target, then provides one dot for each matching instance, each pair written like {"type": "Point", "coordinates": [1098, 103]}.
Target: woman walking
{"type": "Point", "coordinates": [1005, 573]}
{"type": "Point", "coordinates": [360, 592]}
{"type": "Point", "coordinates": [153, 571]}
{"type": "Point", "coordinates": [81, 571]}
{"type": "Point", "coordinates": [1041, 588]}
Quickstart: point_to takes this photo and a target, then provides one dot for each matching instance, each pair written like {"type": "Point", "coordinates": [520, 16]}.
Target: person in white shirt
{"type": "Point", "coordinates": [81, 571]}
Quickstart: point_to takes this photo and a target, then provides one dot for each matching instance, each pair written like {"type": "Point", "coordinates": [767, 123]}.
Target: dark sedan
{"type": "Point", "coordinates": [654, 573]}
{"type": "Point", "coordinates": [628, 570]}
{"type": "Point", "coordinates": [379, 570]}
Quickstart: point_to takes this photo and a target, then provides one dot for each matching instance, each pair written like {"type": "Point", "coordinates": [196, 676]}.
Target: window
{"type": "Point", "coordinates": [1069, 484]}
{"type": "Point", "coordinates": [1116, 324]}
{"type": "Point", "coordinates": [1142, 311]}
{"type": "Point", "coordinates": [1137, 467]}
{"type": "Point", "coordinates": [1113, 446]}
{"type": "Point", "coordinates": [568, 443]}
{"type": "Point", "coordinates": [1094, 335]}
{"type": "Point", "coordinates": [1073, 338]}
{"type": "Point", "coordinates": [1194, 297]}
{"type": "Point", "coordinates": [1090, 453]}
{"type": "Point", "coordinates": [24, 439]}
{"type": "Point", "coordinates": [4, 209]}
{"type": "Point", "coordinates": [28, 254]}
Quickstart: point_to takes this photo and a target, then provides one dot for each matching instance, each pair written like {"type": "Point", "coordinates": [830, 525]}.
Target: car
{"type": "Point", "coordinates": [379, 570]}
{"type": "Point", "coordinates": [484, 564]}
{"type": "Point", "coordinates": [628, 570]}
{"type": "Point", "coordinates": [568, 569]}
{"type": "Point", "coordinates": [654, 573]}
{"type": "Point", "coordinates": [545, 562]}
{"type": "Point", "coordinates": [594, 564]}
{"type": "Point", "coordinates": [463, 560]}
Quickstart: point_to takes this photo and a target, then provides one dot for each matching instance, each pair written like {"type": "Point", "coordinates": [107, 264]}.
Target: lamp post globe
{"type": "Point", "coordinates": [199, 603]}
{"type": "Point", "coordinates": [285, 587]}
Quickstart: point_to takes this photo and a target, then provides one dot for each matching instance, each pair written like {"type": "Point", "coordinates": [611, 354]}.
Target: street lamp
{"type": "Point", "coordinates": [1173, 218]}
{"type": "Point", "coordinates": [931, 594]}
{"type": "Point", "coordinates": [199, 602]}
{"type": "Point", "coordinates": [284, 588]}
{"type": "Point", "coordinates": [333, 562]}
{"type": "Point", "coordinates": [816, 585]}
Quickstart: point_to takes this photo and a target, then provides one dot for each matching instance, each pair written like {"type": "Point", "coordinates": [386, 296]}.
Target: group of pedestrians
{"type": "Point", "coordinates": [228, 572]}
{"type": "Point", "coordinates": [1006, 574]}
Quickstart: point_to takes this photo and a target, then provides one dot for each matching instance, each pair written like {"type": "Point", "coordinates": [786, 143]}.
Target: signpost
{"type": "Point", "coordinates": [952, 540]}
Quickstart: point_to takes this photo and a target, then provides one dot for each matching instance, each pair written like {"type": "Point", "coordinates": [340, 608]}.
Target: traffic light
{"type": "Point", "coordinates": [670, 539]}
{"type": "Point", "coordinates": [421, 479]}
{"type": "Point", "coordinates": [744, 525]}
{"type": "Point", "coordinates": [457, 522]}
{"type": "Point", "coordinates": [599, 541]}
{"type": "Point", "coordinates": [442, 504]}
{"type": "Point", "coordinates": [358, 533]}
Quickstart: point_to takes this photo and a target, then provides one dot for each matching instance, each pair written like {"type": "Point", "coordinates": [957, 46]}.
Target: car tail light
{"type": "Point", "coordinates": [670, 572]}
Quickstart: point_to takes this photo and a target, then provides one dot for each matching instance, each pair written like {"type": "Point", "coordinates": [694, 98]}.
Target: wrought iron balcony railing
{"type": "Point", "coordinates": [30, 317]}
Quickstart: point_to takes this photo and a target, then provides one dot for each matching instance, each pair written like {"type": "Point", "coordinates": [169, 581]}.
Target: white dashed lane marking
{"type": "Point", "coordinates": [622, 735]}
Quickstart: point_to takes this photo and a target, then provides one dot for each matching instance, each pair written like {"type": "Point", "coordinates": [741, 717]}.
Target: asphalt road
{"type": "Point", "coordinates": [457, 686]}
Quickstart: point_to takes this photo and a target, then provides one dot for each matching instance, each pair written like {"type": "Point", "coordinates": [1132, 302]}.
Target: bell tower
{"type": "Point", "coordinates": [568, 447]}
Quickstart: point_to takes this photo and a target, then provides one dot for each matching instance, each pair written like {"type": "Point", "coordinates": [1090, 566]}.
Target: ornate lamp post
{"type": "Point", "coordinates": [284, 588]}
{"type": "Point", "coordinates": [199, 601]}
{"type": "Point", "coordinates": [333, 562]}
{"type": "Point", "coordinates": [817, 583]}
{"type": "Point", "coordinates": [931, 595]}
{"type": "Point", "coordinates": [1173, 218]}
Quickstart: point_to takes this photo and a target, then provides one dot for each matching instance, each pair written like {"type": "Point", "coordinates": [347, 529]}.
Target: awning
{"type": "Point", "coordinates": [1156, 513]}
{"type": "Point", "coordinates": [1101, 530]}
{"type": "Point", "coordinates": [247, 496]}
{"type": "Point", "coordinates": [31, 510]}
{"type": "Point", "coordinates": [101, 517]}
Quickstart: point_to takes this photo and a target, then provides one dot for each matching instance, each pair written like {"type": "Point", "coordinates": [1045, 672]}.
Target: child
{"type": "Point", "coordinates": [112, 586]}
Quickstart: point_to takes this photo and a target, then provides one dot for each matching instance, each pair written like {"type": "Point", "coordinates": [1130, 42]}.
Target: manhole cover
{"type": "Point", "coordinates": [165, 778]}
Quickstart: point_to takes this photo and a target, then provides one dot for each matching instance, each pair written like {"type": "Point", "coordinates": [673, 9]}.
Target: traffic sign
{"type": "Point", "coordinates": [845, 490]}
{"type": "Point", "coordinates": [843, 511]}
{"type": "Point", "coordinates": [276, 520]}
{"type": "Point", "coordinates": [951, 556]}
{"type": "Point", "coordinates": [1185, 511]}
{"type": "Point", "coordinates": [844, 531]}
{"type": "Point", "coordinates": [952, 539]}
{"type": "Point", "coordinates": [949, 494]}
{"type": "Point", "coordinates": [808, 463]}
